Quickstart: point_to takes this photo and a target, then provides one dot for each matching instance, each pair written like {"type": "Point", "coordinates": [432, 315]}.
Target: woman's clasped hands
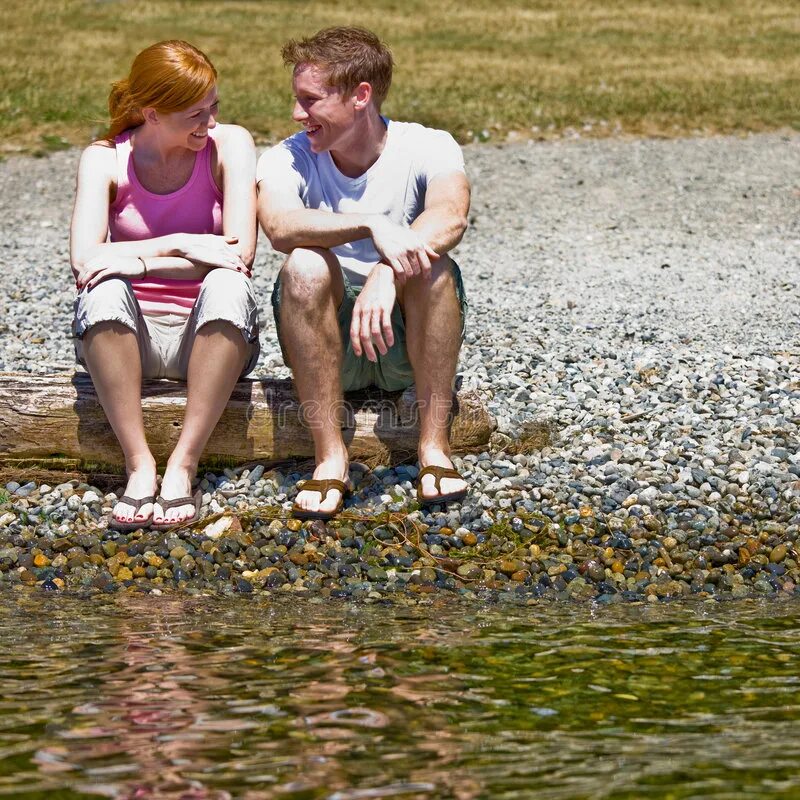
{"type": "Point", "coordinates": [201, 249]}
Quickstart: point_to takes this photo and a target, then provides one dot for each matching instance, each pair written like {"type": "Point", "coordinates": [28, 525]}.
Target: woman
{"type": "Point", "coordinates": [163, 238]}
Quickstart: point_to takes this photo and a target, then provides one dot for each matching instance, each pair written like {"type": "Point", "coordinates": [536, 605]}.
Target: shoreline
{"type": "Point", "coordinates": [640, 295]}
{"type": "Point", "coordinates": [247, 545]}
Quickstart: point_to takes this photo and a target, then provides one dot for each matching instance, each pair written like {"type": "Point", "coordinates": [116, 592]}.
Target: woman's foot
{"type": "Point", "coordinates": [177, 482]}
{"type": "Point", "coordinates": [141, 483]}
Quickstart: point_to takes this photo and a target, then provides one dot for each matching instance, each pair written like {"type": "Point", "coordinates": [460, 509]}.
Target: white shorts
{"type": "Point", "coordinates": [166, 340]}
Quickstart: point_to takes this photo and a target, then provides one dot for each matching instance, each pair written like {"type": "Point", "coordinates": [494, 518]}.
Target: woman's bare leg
{"type": "Point", "coordinates": [218, 357]}
{"type": "Point", "coordinates": [111, 353]}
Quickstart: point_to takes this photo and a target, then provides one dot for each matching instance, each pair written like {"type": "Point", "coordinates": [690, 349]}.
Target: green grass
{"type": "Point", "coordinates": [481, 69]}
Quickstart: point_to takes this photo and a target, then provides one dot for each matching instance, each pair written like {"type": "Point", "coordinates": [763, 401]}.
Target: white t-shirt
{"type": "Point", "coordinates": [394, 185]}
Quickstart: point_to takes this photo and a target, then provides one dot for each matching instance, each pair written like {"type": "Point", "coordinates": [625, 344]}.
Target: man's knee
{"type": "Point", "coordinates": [442, 282]}
{"type": "Point", "coordinates": [309, 274]}
{"type": "Point", "coordinates": [443, 274]}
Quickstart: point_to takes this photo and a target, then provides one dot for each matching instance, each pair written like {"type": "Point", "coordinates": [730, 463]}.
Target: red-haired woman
{"type": "Point", "coordinates": [162, 242]}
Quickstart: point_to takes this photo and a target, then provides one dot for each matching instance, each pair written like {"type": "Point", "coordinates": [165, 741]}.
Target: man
{"type": "Point", "coordinates": [366, 210]}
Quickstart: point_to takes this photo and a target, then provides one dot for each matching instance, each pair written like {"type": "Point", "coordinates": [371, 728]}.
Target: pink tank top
{"type": "Point", "coordinates": [137, 213]}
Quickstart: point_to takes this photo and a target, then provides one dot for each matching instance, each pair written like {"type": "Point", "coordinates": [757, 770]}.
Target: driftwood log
{"type": "Point", "coordinates": [56, 420]}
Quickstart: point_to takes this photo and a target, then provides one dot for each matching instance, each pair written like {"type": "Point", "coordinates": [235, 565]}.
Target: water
{"type": "Point", "coordinates": [161, 697]}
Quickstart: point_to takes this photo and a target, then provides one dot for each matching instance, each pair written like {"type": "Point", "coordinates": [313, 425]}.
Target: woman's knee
{"type": "Point", "coordinates": [111, 301]}
{"type": "Point", "coordinates": [110, 291]}
{"type": "Point", "coordinates": [226, 280]}
{"type": "Point", "coordinates": [227, 297]}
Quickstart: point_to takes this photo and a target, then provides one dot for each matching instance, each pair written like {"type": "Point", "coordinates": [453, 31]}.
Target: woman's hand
{"type": "Point", "coordinates": [210, 250]}
{"type": "Point", "coordinates": [101, 267]}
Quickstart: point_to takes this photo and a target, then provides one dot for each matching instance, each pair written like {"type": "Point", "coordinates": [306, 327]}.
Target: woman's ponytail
{"type": "Point", "coordinates": [122, 110]}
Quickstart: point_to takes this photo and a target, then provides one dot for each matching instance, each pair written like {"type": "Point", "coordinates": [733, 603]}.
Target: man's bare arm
{"type": "Point", "coordinates": [444, 220]}
{"type": "Point", "coordinates": [288, 224]}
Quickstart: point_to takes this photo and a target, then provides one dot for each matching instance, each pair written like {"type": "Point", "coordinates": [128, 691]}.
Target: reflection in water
{"type": "Point", "coordinates": [144, 697]}
{"type": "Point", "coordinates": [147, 714]}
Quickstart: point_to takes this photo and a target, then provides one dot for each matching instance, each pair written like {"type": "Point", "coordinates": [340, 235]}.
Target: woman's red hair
{"type": "Point", "coordinates": [168, 76]}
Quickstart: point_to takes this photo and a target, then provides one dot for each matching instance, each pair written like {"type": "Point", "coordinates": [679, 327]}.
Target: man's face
{"type": "Point", "coordinates": [325, 114]}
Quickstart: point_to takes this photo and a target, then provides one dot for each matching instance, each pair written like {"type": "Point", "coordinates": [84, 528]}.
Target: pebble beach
{"type": "Point", "coordinates": [641, 297]}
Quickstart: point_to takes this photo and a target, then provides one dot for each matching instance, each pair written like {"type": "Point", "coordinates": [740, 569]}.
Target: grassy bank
{"type": "Point", "coordinates": [482, 69]}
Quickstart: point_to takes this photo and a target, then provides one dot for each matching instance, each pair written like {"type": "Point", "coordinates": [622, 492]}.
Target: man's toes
{"type": "Point", "coordinates": [307, 501]}
{"type": "Point", "coordinates": [331, 500]}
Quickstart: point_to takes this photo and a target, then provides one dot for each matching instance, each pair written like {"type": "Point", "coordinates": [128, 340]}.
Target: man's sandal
{"type": "Point", "coordinates": [118, 525]}
{"type": "Point", "coordinates": [323, 487]}
{"type": "Point", "coordinates": [196, 500]}
{"type": "Point", "coordinates": [437, 499]}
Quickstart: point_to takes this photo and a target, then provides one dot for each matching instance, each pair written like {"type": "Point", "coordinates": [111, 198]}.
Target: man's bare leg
{"type": "Point", "coordinates": [311, 292]}
{"type": "Point", "coordinates": [111, 352]}
{"type": "Point", "coordinates": [433, 339]}
{"type": "Point", "coordinates": [216, 362]}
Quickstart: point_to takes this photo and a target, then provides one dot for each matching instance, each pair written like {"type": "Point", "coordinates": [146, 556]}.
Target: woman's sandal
{"type": "Point", "coordinates": [323, 487]}
{"type": "Point", "coordinates": [437, 499]}
{"type": "Point", "coordinates": [196, 499]}
{"type": "Point", "coordinates": [118, 525]}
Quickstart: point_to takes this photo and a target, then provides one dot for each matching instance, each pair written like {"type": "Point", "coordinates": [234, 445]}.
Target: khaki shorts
{"type": "Point", "coordinates": [166, 341]}
{"type": "Point", "coordinates": [392, 372]}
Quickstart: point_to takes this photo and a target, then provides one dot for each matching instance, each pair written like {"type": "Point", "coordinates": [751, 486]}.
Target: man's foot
{"type": "Point", "coordinates": [449, 488]}
{"type": "Point", "coordinates": [310, 501]}
{"type": "Point", "coordinates": [177, 482]}
{"type": "Point", "coordinates": [141, 483]}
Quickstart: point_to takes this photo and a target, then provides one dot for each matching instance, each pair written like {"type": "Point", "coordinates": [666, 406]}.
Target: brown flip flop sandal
{"type": "Point", "coordinates": [118, 525]}
{"type": "Point", "coordinates": [439, 473]}
{"type": "Point", "coordinates": [196, 499]}
{"type": "Point", "coordinates": [323, 487]}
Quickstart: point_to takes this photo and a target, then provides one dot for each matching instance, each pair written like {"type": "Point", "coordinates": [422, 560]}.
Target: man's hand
{"type": "Point", "coordinates": [101, 267]}
{"type": "Point", "coordinates": [371, 324]}
{"type": "Point", "coordinates": [210, 250]}
{"type": "Point", "coordinates": [403, 249]}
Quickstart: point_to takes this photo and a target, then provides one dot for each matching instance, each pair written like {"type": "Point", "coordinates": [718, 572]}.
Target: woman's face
{"type": "Point", "coordinates": [190, 127]}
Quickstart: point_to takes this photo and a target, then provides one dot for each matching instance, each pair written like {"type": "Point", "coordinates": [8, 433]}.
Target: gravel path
{"type": "Point", "coordinates": [642, 295]}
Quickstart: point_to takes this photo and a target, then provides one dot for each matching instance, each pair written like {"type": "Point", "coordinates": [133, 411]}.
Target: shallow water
{"type": "Point", "coordinates": [150, 697]}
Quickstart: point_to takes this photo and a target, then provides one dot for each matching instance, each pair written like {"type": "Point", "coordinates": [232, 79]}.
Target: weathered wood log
{"type": "Point", "coordinates": [52, 419]}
